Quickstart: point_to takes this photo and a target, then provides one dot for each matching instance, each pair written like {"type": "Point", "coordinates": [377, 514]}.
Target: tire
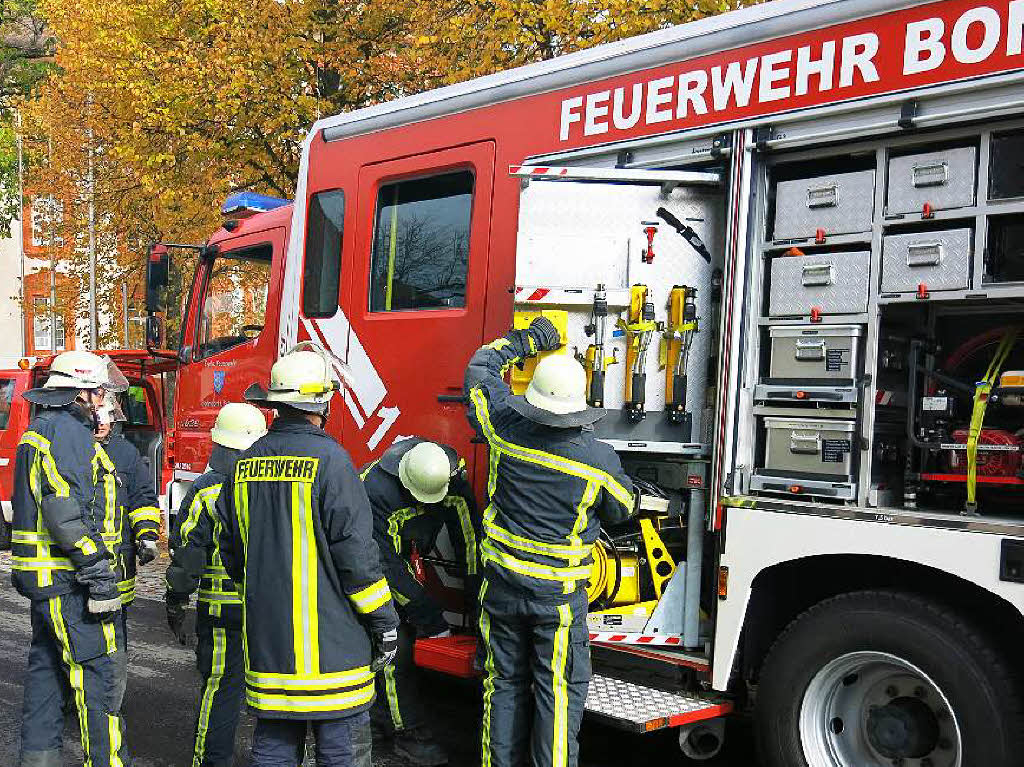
{"type": "Point", "coordinates": [881, 677]}
{"type": "Point", "coordinates": [5, 534]}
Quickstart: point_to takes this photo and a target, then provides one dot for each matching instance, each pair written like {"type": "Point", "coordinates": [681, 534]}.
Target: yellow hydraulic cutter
{"type": "Point", "coordinates": [675, 351]}
{"type": "Point", "coordinates": [639, 327]}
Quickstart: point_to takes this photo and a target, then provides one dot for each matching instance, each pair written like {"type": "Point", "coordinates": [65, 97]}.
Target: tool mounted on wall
{"type": "Point", "coordinates": [639, 327]}
{"type": "Point", "coordinates": [686, 232]}
{"type": "Point", "coordinates": [675, 351]}
{"type": "Point", "coordinates": [595, 362]}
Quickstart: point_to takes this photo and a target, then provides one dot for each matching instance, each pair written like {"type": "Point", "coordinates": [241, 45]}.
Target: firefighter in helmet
{"type": "Point", "coordinates": [138, 508]}
{"type": "Point", "coordinates": [65, 539]}
{"type": "Point", "coordinates": [551, 483]}
{"type": "Point", "coordinates": [416, 489]}
{"type": "Point", "coordinates": [196, 565]}
{"type": "Point", "coordinates": [297, 538]}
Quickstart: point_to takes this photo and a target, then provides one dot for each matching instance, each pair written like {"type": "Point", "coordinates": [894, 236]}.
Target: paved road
{"type": "Point", "coordinates": [161, 698]}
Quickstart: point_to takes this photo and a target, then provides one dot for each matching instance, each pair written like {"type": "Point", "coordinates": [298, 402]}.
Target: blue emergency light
{"type": "Point", "coordinates": [241, 203]}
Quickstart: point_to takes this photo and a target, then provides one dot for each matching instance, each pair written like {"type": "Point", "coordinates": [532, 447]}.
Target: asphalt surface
{"type": "Point", "coordinates": [160, 703]}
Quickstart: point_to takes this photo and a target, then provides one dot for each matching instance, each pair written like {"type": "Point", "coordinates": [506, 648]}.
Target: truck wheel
{"type": "Point", "coordinates": [5, 534]}
{"type": "Point", "coordinates": [886, 678]}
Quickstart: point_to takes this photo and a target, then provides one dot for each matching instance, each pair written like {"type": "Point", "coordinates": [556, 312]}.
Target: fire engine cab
{"type": "Point", "coordinates": [787, 242]}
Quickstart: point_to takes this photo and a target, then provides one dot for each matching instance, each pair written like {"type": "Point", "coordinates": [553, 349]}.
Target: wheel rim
{"type": "Point", "coordinates": [872, 709]}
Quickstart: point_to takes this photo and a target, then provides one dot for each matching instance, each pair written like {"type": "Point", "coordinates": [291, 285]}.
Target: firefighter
{"type": "Point", "coordinates": [196, 564]}
{"type": "Point", "coordinates": [416, 488]}
{"type": "Point", "coordinates": [138, 507]}
{"type": "Point", "coordinates": [550, 482]}
{"type": "Point", "coordinates": [66, 534]}
{"type": "Point", "coordinates": [297, 538]}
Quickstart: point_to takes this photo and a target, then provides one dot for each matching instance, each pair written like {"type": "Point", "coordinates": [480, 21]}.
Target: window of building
{"type": "Point", "coordinates": [421, 243]}
{"type": "Point", "coordinates": [322, 268]}
{"type": "Point", "coordinates": [235, 303]}
{"type": "Point", "coordinates": [6, 398]}
{"type": "Point", "coordinates": [41, 340]}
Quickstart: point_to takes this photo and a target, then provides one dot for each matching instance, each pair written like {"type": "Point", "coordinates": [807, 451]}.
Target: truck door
{"type": "Point", "coordinates": [231, 340]}
{"type": "Point", "coordinates": [415, 294]}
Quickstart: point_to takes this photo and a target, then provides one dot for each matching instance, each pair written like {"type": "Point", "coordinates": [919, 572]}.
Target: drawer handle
{"type": "Point", "coordinates": [823, 196]}
{"type": "Point", "coordinates": [810, 351]}
{"type": "Point", "coordinates": [816, 275]}
{"type": "Point", "coordinates": [804, 443]}
{"type": "Point", "coordinates": [925, 254]}
{"type": "Point", "coordinates": [931, 174]}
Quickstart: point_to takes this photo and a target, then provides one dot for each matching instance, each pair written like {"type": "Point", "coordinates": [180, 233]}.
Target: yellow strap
{"type": "Point", "coordinates": [981, 392]}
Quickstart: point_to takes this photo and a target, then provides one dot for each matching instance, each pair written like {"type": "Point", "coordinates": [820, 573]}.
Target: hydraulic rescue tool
{"type": "Point", "coordinates": [595, 362]}
{"type": "Point", "coordinates": [639, 327]}
{"type": "Point", "coordinates": [686, 232]}
{"type": "Point", "coordinates": [675, 350]}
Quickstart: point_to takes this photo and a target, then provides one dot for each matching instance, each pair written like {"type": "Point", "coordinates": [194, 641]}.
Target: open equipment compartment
{"type": "Point", "coordinates": [889, 323]}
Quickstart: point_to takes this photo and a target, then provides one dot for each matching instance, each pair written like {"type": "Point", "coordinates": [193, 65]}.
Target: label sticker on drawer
{"type": "Point", "coordinates": [835, 359]}
{"type": "Point", "coordinates": [934, 403]}
{"type": "Point", "coordinates": [835, 450]}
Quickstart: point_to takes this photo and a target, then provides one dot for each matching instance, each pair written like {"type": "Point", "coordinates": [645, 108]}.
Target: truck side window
{"type": "Point", "coordinates": [421, 243]}
{"type": "Point", "coordinates": [133, 403]}
{"type": "Point", "coordinates": [323, 254]}
{"type": "Point", "coordinates": [235, 303]}
{"type": "Point", "coordinates": [6, 398]}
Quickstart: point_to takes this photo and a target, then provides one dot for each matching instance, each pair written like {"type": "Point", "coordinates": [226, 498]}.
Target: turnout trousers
{"type": "Point", "coordinates": [221, 663]}
{"type": "Point", "coordinates": [72, 650]}
{"type": "Point", "coordinates": [342, 742]}
{"type": "Point", "coordinates": [399, 703]}
{"type": "Point", "coordinates": [536, 659]}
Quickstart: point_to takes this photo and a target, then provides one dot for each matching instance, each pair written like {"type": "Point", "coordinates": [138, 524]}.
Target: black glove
{"type": "Point", "coordinates": [545, 334]}
{"type": "Point", "coordinates": [101, 582]}
{"type": "Point", "coordinates": [385, 648]}
{"type": "Point", "coordinates": [176, 609]}
{"type": "Point", "coordinates": [146, 550]}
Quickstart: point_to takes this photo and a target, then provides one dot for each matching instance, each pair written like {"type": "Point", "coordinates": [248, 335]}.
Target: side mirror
{"type": "Point", "coordinates": [157, 268]}
{"type": "Point", "coordinates": [185, 354]}
{"type": "Point", "coordinates": [154, 331]}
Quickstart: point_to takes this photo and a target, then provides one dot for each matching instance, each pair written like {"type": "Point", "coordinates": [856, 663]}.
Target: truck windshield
{"type": "Point", "coordinates": [235, 301]}
{"type": "Point", "coordinates": [6, 398]}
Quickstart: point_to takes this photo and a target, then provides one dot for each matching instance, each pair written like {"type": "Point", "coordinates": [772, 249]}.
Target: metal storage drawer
{"type": "Point", "coordinates": [812, 363]}
{"type": "Point", "coordinates": [939, 260]}
{"type": "Point", "coordinates": [805, 446]}
{"type": "Point", "coordinates": [841, 203]}
{"type": "Point", "coordinates": [943, 180]}
{"type": "Point", "coordinates": [834, 283]}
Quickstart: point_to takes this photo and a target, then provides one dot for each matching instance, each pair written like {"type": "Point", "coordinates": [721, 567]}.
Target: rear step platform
{"type": "Point", "coordinates": [639, 708]}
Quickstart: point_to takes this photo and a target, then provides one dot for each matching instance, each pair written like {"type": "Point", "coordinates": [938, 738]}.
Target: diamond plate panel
{"type": "Point", "coordinates": [636, 704]}
{"type": "Point", "coordinates": [939, 260]}
{"type": "Point", "coordinates": [836, 283]}
{"type": "Point", "coordinates": [841, 203]}
{"type": "Point", "coordinates": [579, 234]}
{"type": "Point", "coordinates": [942, 179]}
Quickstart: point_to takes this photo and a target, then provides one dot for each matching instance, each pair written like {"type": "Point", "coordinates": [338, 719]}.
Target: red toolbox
{"type": "Point", "coordinates": [452, 655]}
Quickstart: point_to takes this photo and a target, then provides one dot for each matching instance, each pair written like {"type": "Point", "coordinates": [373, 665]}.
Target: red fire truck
{"type": "Point", "coordinates": [788, 244]}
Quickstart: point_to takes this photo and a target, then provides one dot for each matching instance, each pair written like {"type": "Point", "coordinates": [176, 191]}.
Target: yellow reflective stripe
{"type": "Point", "coordinates": [309, 703]}
{"type": "Point", "coordinates": [547, 460]}
{"type": "Point", "coordinates": [485, 634]}
{"type": "Point", "coordinates": [498, 344]}
{"type": "Point", "coordinates": [300, 590]}
{"type": "Point", "coordinates": [146, 514]}
{"type": "Point", "coordinates": [42, 446]}
{"type": "Point", "coordinates": [203, 499]}
{"type": "Point", "coordinates": [110, 635]}
{"type": "Point", "coordinates": [41, 563]}
{"type": "Point", "coordinates": [126, 585]}
{"type": "Point", "coordinates": [391, 691]}
{"type": "Point", "coordinates": [372, 597]}
{"type": "Point", "coordinates": [397, 521]}
{"type": "Point", "coordinates": [24, 536]}
{"type": "Point", "coordinates": [400, 598]}
{"type": "Point", "coordinates": [468, 533]}
{"type": "Point", "coordinates": [368, 469]}
{"type": "Point", "coordinates": [217, 667]}
{"type": "Point", "coordinates": [355, 677]}
{"type": "Point", "coordinates": [86, 545]}
{"type": "Point", "coordinates": [500, 534]}
{"type": "Point", "coordinates": [559, 744]}
{"type": "Point", "coordinates": [219, 597]}
{"type": "Point", "coordinates": [532, 569]}
{"type": "Point", "coordinates": [76, 677]}
{"type": "Point", "coordinates": [242, 510]}
{"type": "Point", "coordinates": [313, 626]}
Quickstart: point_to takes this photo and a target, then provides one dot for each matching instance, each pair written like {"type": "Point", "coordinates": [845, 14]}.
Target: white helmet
{"type": "Point", "coordinates": [425, 471]}
{"type": "Point", "coordinates": [84, 370]}
{"type": "Point", "coordinates": [305, 378]}
{"type": "Point", "coordinates": [238, 425]}
{"type": "Point", "coordinates": [557, 394]}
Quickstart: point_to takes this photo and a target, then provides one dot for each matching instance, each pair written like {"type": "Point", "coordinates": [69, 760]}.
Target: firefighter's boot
{"type": "Point", "coordinates": [418, 747]}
